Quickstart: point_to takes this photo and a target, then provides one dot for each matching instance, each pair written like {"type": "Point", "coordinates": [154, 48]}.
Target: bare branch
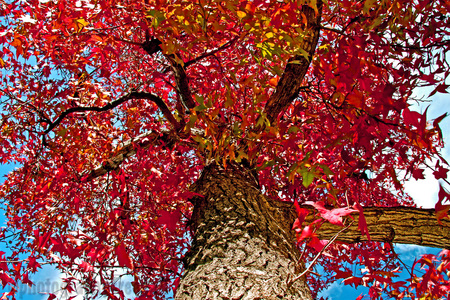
{"type": "Point", "coordinates": [404, 225]}
{"type": "Point", "coordinates": [129, 149]}
{"type": "Point", "coordinates": [182, 83]}
{"type": "Point", "coordinates": [133, 95]}
{"type": "Point", "coordinates": [151, 46]}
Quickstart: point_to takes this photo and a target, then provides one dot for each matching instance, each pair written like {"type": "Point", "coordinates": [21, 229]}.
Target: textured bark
{"type": "Point", "coordinates": [181, 79]}
{"type": "Point", "coordinates": [404, 225]}
{"type": "Point", "coordinates": [240, 248]}
{"type": "Point", "coordinates": [291, 81]}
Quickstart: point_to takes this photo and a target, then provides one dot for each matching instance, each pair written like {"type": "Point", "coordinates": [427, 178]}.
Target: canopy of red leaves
{"type": "Point", "coordinates": [176, 84]}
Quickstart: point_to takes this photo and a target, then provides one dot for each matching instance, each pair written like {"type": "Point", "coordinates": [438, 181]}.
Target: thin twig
{"type": "Point", "coordinates": [318, 255]}
{"type": "Point", "coordinates": [223, 47]}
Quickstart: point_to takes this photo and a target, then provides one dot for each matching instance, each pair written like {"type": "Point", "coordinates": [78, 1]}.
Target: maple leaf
{"type": "Point", "coordinates": [306, 232]}
{"type": "Point", "coordinates": [122, 256]}
{"type": "Point", "coordinates": [302, 213]}
{"type": "Point", "coordinates": [353, 280]}
{"type": "Point", "coordinates": [440, 172]}
{"type": "Point", "coordinates": [317, 244]}
{"type": "Point", "coordinates": [33, 264]}
{"type": "Point", "coordinates": [440, 208]}
{"type": "Point", "coordinates": [333, 216]}
{"type": "Point", "coordinates": [362, 224]}
{"type": "Point", "coordinates": [418, 174]}
{"type": "Point", "coordinates": [412, 117]}
{"type": "Point", "coordinates": [6, 279]}
{"type": "Point", "coordinates": [441, 88]}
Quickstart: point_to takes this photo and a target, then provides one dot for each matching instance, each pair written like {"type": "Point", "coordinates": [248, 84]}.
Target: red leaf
{"type": "Point", "coordinates": [297, 225]}
{"type": "Point", "coordinates": [33, 265]}
{"type": "Point", "coordinates": [418, 174]}
{"type": "Point", "coordinates": [360, 297]}
{"type": "Point", "coordinates": [436, 124]}
{"type": "Point", "coordinates": [317, 244]}
{"type": "Point", "coordinates": [343, 274]}
{"type": "Point", "coordinates": [411, 118]}
{"type": "Point", "coordinates": [440, 208]}
{"type": "Point", "coordinates": [388, 91]}
{"type": "Point", "coordinates": [439, 119]}
{"type": "Point", "coordinates": [362, 224]}
{"type": "Point", "coordinates": [86, 267]}
{"type": "Point", "coordinates": [355, 281]}
{"type": "Point", "coordinates": [123, 257]}
{"type": "Point", "coordinates": [441, 88]}
{"type": "Point", "coordinates": [333, 216]}
{"type": "Point", "coordinates": [440, 172]}
{"type": "Point", "coordinates": [307, 232]}
{"type": "Point", "coordinates": [5, 279]}
{"type": "Point", "coordinates": [302, 213]}
{"type": "Point", "coordinates": [169, 218]}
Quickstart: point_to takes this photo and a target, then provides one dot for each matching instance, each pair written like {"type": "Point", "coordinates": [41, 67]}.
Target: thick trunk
{"type": "Point", "coordinates": [241, 248]}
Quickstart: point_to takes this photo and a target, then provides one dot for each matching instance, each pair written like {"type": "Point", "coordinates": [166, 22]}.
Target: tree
{"type": "Point", "coordinates": [214, 147]}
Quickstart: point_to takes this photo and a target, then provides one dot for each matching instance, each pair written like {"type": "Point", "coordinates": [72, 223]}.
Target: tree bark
{"type": "Point", "coordinates": [403, 225]}
{"type": "Point", "coordinates": [243, 246]}
{"type": "Point", "coordinates": [290, 82]}
{"type": "Point", "coordinates": [241, 249]}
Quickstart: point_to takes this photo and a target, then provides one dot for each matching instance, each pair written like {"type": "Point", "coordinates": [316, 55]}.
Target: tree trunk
{"type": "Point", "coordinates": [241, 248]}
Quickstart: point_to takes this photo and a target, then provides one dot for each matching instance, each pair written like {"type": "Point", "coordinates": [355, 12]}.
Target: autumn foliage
{"type": "Point", "coordinates": [113, 108]}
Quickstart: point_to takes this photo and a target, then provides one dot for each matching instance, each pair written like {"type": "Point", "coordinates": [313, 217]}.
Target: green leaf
{"type": "Point", "coordinates": [62, 132]}
{"type": "Point", "coordinates": [304, 54]}
{"type": "Point", "coordinates": [307, 176]}
{"type": "Point", "coordinates": [326, 169]}
{"type": "Point", "coordinates": [200, 99]}
{"type": "Point", "coordinates": [368, 4]}
{"type": "Point", "coordinates": [293, 129]}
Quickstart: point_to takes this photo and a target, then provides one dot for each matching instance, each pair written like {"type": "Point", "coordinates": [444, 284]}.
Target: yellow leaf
{"type": "Point", "coordinates": [83, 22]}
{"type": "Point", "coordinates": [269, 35]}
{"type": "Point", "coordinates": [2, 63]}
{"type": "Point", "coordinates": [80, 24]}
{"type": "Point", "coordinates": [241, 14]}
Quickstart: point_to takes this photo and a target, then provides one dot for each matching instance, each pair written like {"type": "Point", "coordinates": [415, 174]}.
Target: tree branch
{"type": "Point", "coordinates": [163, 137]}
{"type": "Point", "coordinates": [403, 225]}
{"type": "Point", "coordinates": [205, 55]}
{"type": "Point", "coordinates": [133, 95]}
{"type": "Point", "coordinates": [129, 149]}
{"type": "Point", "coordinates": [290, 82]}
{"type": "Point", "coordinates": [182, 83]}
